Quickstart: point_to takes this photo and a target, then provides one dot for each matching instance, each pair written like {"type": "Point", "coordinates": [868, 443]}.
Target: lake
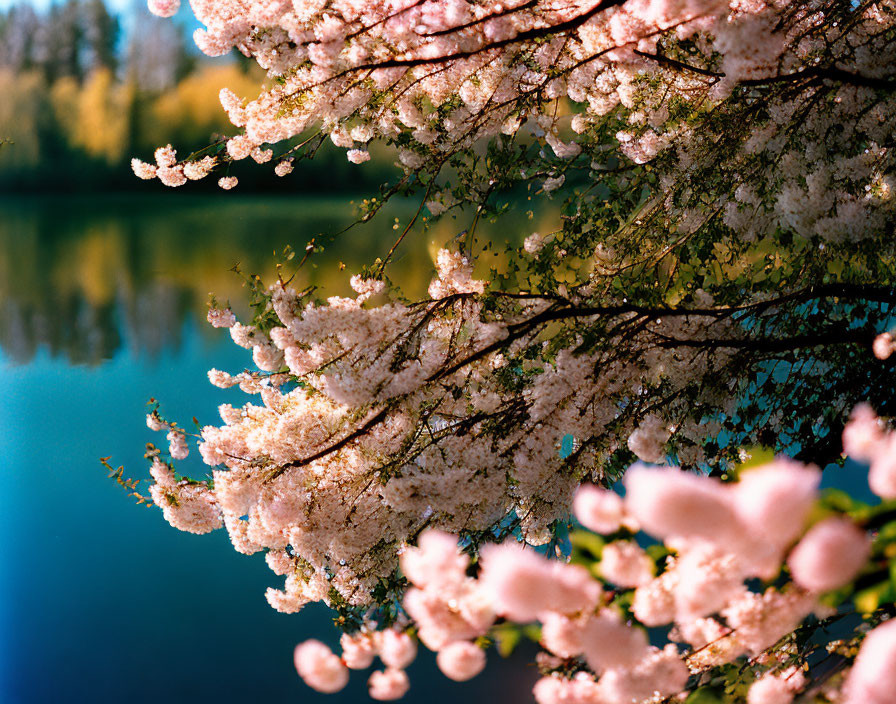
{"type": "Point", "coordinates": [102, 306]}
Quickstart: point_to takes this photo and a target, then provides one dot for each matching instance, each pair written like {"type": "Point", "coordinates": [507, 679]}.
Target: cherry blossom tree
{"type": "Point", "coordinates": [720, 281]}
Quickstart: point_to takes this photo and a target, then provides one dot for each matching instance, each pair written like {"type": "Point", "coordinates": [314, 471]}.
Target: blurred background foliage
{"type": "Point", "coordinates": [84, 90]}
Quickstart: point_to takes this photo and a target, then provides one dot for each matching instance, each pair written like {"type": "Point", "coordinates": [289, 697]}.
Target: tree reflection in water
{"type": "Point", "coordinates": [85, 278]}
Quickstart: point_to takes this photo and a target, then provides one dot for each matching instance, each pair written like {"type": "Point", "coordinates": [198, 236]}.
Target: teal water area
{"type": "Point", "coordinates": [102, 307]}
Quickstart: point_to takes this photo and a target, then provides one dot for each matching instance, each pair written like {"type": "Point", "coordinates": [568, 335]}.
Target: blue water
{"type": "Point", "coordinates": [101, 600]}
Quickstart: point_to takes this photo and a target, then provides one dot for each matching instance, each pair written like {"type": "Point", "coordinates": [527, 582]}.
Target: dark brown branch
{"type": "Point", "coordinates": [813, 73]}
{"type": "Point", "coordinates": [835, 335]}
{"type": "Point", "coordinates": [383, 20]}
{"type": "Point", "coordinates": [562, 310]}
{"type": "Point", "coordinates": [336, 446]}
{"type": "Point", "coordinates": [473, 23]}
{"type": "Point", "coordinates": [832, 73]}
{"type": "Point", "coordinates": [530, 34]}
{"type": "Point", "coordinates": [679, 65]}
{"type": "Point", "coordinates": [407, 229]}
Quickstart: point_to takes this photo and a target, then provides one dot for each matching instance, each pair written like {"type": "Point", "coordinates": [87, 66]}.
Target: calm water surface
{"type": "Point", "coordinates": [101, 307]}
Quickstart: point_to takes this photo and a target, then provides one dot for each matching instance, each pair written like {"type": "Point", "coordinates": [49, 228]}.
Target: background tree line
{"type": "Point", "coordinates": [82, 91]}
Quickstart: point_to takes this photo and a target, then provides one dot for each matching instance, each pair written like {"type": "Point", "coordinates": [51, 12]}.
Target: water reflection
{"type": "Point", "coordinates": [83, 277]}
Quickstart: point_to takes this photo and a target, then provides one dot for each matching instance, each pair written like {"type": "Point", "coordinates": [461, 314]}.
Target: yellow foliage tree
{"type": "Point", "coordinates": [102, 128]}
{"type": "Point", "coordinates": [194, 105]}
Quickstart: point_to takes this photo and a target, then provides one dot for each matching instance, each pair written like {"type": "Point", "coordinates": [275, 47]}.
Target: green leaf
{"type": "Point", "coordinates": [840, 501]}
{"type": "Point", "coordinates": [507, 637]}
{"type": "Point", "coordinates": [585, 540]}
{"type": "Point", "coordinates": [758, 457]}
{"type": "Point", "coordinates": [532, 631]}
{"type": "Point", "coordinates": [705, 695]}
{"type": "Point", "coordinates": [869, 599]}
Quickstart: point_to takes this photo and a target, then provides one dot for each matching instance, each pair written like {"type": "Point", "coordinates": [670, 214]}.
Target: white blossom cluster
{"type": "Point", "coordinates": [866, 439]}
{"type": "Point", "coordinates": [814, 157]}
{"type": "Point", "coordinates": [333, 59]}
{"type": "Point", "coordinates": [378, 420]}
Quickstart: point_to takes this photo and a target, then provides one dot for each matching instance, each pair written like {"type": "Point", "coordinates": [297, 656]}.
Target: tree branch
{"type": "Point", "coordinates": [537, 33]}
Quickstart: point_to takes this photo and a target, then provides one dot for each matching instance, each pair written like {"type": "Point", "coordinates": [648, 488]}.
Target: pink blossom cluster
{"type": "Point", "coordinates": [872, 679]}
{"type": "Point", "coordinates": [170, 171]}
{"type": "Point", "coordinates": [186, 505]}
{"type": "Point", "coordinates": [324, 671]}
{"type": "Point", "coordinates": [884, 346]}
{"type": "Point", "coordinates": [449, 609]}
{"type": "Point", "coordinates": [776, 688]}
{"type": "Point", "coordinates": [866, 439]}
{"type": "Point", "coordinates": [720, 534]}
{"type": "Point", "coordinates": [164, 8]}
